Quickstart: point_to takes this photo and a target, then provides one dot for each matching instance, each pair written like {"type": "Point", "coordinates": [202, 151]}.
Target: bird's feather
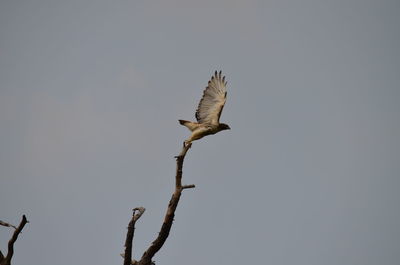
{"type": "Point", "coordinates": [213, 100]}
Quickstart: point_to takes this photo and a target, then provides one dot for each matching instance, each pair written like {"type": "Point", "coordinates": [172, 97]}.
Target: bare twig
{"type": "Point", "coordinates": [7, 224]}
{"type": "Point", "coordinates": [7, 259]}
{"type": "Point", "coordinates": [191, 186]}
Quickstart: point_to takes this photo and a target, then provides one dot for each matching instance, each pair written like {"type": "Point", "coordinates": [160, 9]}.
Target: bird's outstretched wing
{"type": "Point", "coordinates": [213, 100]}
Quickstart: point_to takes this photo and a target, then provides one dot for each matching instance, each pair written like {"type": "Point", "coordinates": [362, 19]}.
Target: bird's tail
{"type": "Point", "coordinates": [182, 122]}
{"type": "Point", "coordinates": [188, 124]}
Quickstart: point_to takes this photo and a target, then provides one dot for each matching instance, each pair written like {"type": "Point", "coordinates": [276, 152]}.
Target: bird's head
{"type": "Point", "coordinates": [223, 126]}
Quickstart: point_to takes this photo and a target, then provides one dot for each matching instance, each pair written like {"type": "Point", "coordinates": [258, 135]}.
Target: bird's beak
{"type": "Point", "coordinates": [229, 127]}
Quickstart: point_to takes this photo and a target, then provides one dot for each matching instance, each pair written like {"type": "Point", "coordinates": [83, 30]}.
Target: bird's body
{"type": "Point", "coordinates": [209, 110]}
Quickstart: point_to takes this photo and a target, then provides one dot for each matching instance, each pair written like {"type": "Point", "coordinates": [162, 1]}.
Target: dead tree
{"type": "Point", "coordinates": [6, 260]}
{"type": "Point", "coordinates": [156, 245]}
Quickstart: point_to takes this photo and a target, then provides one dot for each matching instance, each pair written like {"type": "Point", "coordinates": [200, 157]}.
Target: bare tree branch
{"type": "Point", "coordinates": [168, 219]}
{"type": "Point", "coordinates": [169, 216]}
{"type": "Point", "coordinates": [129, 236]}
{"type": "Point", "coordinates": [7, 259]}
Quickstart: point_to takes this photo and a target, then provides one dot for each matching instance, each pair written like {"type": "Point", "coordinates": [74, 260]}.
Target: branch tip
{"type": "Point", "coordinates": [140, 210]}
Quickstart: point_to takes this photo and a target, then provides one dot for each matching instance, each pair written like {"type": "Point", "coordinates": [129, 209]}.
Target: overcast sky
{"type": "Point", "coordinates": [90, 95]}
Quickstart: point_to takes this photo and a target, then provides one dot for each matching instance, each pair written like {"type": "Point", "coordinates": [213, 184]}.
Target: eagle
{"type": "Point", "coordinates": [209, 110]}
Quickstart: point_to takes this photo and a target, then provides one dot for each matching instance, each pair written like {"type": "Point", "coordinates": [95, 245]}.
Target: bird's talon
{"type": "Point", "coordinates": [187, 144]}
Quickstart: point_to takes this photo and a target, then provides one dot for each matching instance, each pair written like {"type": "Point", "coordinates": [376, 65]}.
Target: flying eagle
{"type": "Point", "coordinates": [209, 110]}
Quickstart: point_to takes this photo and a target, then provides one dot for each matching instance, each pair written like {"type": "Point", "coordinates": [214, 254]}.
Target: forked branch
{"type": "Point", "coordinates": [10, 251]}
{"type": "Point", "coordinates": [156, 245]}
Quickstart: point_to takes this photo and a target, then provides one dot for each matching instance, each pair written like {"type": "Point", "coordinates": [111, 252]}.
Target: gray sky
{"type": "Point", "coordinates": [90, 95]}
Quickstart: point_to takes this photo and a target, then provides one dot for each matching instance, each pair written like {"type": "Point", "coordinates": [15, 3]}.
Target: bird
{"type": "Point", "coordinates": [209, 110]}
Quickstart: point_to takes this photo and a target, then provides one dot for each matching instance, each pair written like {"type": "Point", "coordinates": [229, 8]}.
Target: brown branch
{"type": "Point", "coordinates": [7, 260]}
{"type": "Point", "coordinates": [169, 216]}
{"type": "Point", "coordinates": [7, 224]}
{"type": "Point", "coordinates": [129, 236]}
{"type": "Point", "coordinates": [191, 186]}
